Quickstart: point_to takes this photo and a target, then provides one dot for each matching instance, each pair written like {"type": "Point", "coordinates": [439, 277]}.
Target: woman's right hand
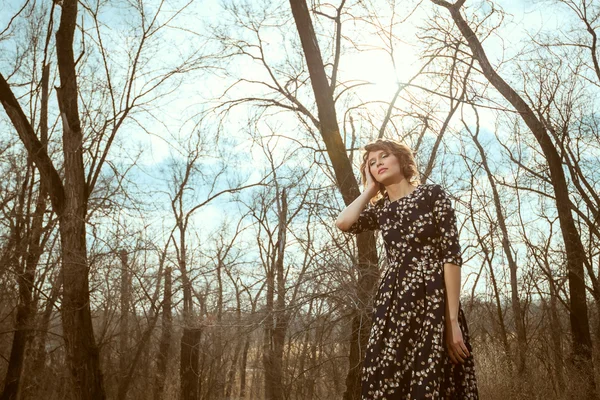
{"type": "Point", "coordinates": [371, 185]}
{"type": "Point", "coordinates": [352, 212]}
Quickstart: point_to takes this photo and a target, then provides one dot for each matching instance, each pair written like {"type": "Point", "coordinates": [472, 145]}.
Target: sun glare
{"type": "Point", "coordinates": [382, 74]}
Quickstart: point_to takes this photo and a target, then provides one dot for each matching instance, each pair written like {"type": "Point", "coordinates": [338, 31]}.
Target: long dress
{"type": "Point", "coordinates": [406, 356]}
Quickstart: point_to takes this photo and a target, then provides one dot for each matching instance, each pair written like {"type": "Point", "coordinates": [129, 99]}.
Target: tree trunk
{"type": "Point", "coordinates": [25, 308]}
{"type": "Point", "coordinates": [190, 338]}
{"type": "Point", "coordinates": [220, 376]}
{"type": "Point", "coordinates": [281, 317]}
{"type": "Point", "coordinates": [238, 347]}
{"type": "Point", "coordinates": [25, 278]}
{"type": "Point", "coordinates": [328, 127]}
{"type": "Point", "coordinates": [190, 354]}
{"type": "Point", "coordinates": [499, 311]}
{"type": "Point", "coordinates": [124, 321]}
{"type": "Point", "coordinates": [556, 334]}
{"type": "Point", "coordinates": [229, 384]}
{"type": "Point", "coordinates": [165, 338]}
{"type": "Point", "coordinates": [580, 326]}
{"type": "Point", "coordinates": [243, 365]}
{"type": "Point", "coordinates": [82, 352]}
{"type": "Point", "coordinates": [69, 201]}
{"type": "Point", "coordinates": [34, 387]}
{"type": "Point", "coordinates": [27, 254]}
{"type": "Point", "coordinates": [277, 319]}
{"type": "Point", "coordinates": [269, 321]}
{"type": "Point", "coordinates": [22, 329]}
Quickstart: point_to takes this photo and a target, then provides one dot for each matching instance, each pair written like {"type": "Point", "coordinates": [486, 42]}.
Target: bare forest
{"type": "Point", "coordinates": [172, 170]}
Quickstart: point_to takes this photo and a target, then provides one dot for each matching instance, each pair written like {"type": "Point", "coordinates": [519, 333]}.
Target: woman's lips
{"type": "Point", "coordinates": [381, 171]}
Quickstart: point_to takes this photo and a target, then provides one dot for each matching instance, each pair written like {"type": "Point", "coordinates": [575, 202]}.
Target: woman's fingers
{"type": "Point", "coordinates": [371, 183]}
{"type": "Point", "coordinates": [368, 174]}
{"type": "Point", "coordinates": [464, 349]}
{"type": "Point", "coordinates": [458, 355]}
{"type": "Point", "coordinates": [452, 356]}
{"type": "Point", "coordinates": [452, 353]}
{"type": "Point", "coordinates": [458, 352]}
{"type": "Point", "coordinates": [456, 358]}
{"type": "Point", "coordinates": [457, 349]}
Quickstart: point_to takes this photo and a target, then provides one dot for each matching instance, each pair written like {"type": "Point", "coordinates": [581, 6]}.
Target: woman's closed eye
{"type": "Point", "coordinates": [372, 162]}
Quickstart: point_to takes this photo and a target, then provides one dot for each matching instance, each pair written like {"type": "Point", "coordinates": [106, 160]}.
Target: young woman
{"type": "Point", "coordinates": [419, 344]}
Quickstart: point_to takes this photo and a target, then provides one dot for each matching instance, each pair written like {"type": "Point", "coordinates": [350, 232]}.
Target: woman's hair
{"type": "Point", "coordinates": [405, 157]}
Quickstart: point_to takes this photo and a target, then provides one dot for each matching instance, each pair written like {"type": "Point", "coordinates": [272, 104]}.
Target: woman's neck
{"type": "Point", "coordinates": [399, 189]}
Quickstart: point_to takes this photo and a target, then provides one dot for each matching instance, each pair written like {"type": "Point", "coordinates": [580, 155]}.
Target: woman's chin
{"type": "Point", "coordinates": [384, 181]}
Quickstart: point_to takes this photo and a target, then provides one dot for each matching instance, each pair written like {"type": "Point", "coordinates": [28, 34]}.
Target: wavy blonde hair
{"type": "Point", "coordinates": [405, 157]}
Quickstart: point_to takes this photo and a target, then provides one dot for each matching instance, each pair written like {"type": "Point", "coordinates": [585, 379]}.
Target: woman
{"type": "Point", "coordinates": [419, 344]}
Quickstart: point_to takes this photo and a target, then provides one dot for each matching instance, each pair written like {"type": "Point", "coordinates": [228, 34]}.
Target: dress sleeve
{"type": "Point", "coordinates": [445, 220]}
{"type": "Point", "coordinates": [367, 221]}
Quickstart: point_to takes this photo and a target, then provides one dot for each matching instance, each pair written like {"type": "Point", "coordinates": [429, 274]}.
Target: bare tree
{"type": "Point", "coordinates": [164, 349]}
{"type": "Point", "coordinates": [330, 132]}
{"type": "Point", "coordinates": [70, 195]}
{"type": "Point", "coordinates": [508, 252]}
{"type": "Point", "coordinates": [582, 343]}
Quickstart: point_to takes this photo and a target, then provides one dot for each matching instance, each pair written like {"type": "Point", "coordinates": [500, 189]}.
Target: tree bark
{"type": "Point", "coordinates": [165, 338]}
{"type": "Point", "coordinates": [277, 323]}
{"type": "Point", "coordinates": [124, 321]}
{"type": "Point", "coordinates": [220, 376]}
{"type": "Point", "coordinates": [69, 201]}
{"type": "Point", "coordinates": [190, 338]}
{"type": "Point", "coordinates": [190, 353]}
{"type": "Point", "coordinates": [329, 129]}
{"type": "Point", "coordinates": [556, 334]}
{"type": "Point", "coordinates": [229, 385]}
{"type": "Point", "coordinates": [270, 375]}
{"type": "Point", "coordinates": [243, 365]}
{"type": "Point", "coordinates": [82, 352]}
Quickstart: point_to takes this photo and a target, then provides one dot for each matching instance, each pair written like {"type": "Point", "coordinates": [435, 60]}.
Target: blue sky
{"type": "Point", "coordinates": [178, 115]}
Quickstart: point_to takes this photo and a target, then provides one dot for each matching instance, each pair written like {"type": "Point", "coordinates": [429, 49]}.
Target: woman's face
{"type": "Point", "coordinates": [384, 167]}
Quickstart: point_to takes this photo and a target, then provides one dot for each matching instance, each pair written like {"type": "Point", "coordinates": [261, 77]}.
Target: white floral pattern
{"type": "Point", "coordinates": [406, 357]}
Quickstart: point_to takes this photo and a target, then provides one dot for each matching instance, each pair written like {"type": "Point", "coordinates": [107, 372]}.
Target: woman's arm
{"type": "Point", "coordinates": [457, 350]}
{"type": "Point", "coordinates": [451, 257]}
{"type": "Point", "coordinates": [352, 213]}
{"type": "Point", "coordinates": [452, 281]}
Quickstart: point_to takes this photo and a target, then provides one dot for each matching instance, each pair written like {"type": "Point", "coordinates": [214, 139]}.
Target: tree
{"type": "Point", "coordinates": [69, 203]}
{"type": "Point", "coordinates": [328, 127]}
{"type": "Point", "coordinates": [70, 195]}
{"type": "Point", "coordinates": [582, 343]}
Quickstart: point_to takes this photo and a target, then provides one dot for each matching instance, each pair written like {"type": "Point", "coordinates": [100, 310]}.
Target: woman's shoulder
{"type": "Point", "coordinates": [438, 192]}
{"type": "Point", "coordinates": [431, 192]}
{"type": "Point", "coordinates": [434, 188]}
{"type": "Point", "coordinates": [430, 188]}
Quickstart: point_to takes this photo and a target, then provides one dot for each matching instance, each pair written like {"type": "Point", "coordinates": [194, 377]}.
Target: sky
{"type": "Point", "coordinates": [166, 135]}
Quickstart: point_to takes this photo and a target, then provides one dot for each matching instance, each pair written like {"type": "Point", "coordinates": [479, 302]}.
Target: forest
{"type": "Point", "coordinates": [172, 171]}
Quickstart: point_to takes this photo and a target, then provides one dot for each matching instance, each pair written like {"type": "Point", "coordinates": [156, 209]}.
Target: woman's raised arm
{"type": "Point", "coordinates": [358, 211]}
{"type": "Point", "coordinates": [359, 216]}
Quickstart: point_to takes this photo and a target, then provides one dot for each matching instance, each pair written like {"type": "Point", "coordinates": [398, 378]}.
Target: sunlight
{"type": "Point", "coordinates": [376, 68]}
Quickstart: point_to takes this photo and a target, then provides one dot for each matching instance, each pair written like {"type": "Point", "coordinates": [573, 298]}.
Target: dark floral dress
{"type": "Point", "coordinates": [406, 357]}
